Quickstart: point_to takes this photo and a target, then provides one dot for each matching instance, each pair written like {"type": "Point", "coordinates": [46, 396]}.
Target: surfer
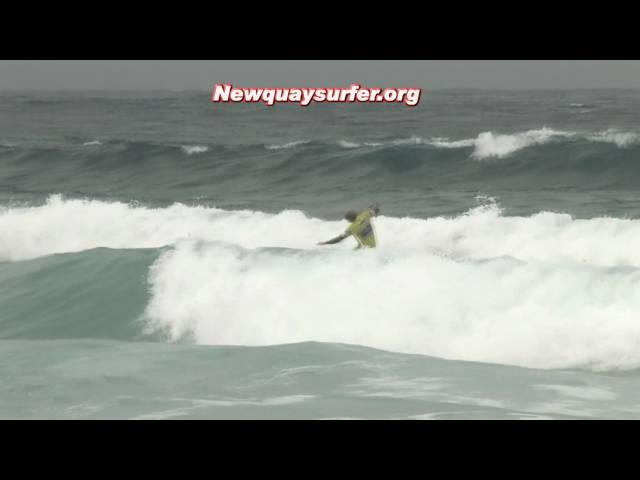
{"type": "Point", "coordinates": [361, 228]}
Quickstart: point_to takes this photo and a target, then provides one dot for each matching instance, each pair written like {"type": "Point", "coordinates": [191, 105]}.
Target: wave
{"type": "Point", "coordinates": [541, 315]}
{"type": "Point", "coordinates": [546, 291]}
{"type": "Point", "coordinates": [497, 145]}
{"type": "Point", "coordinates": [102, 379]}
{"type": "Point", "coordinates": [501, 310]}
{"type": "Point", "coordinates": [485, 145]}
{"type": "Point", "coordinates": [98, 293]}
{"type": "Point", "coordinates": [71, 225]}
{"type": "Point", "coordinates": [491, 145]}
{"type": "Point", "coordinates": [140, 146]}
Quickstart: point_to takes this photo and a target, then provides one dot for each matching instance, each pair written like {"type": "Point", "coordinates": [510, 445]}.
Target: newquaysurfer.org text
{"type": "Point", "coordinates": [227, 93]}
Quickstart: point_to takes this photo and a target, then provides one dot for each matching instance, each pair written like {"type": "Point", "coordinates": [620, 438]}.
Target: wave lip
{"type": "Point", "coordinates": [413, 140]}
{"type": "Point", "coordinates": [71, 225]}
{"type": "Point", "coordinates": [194, 149]}
{"type": "Point", "coordinates": [444, 142]}
{"type": "Point", "coordinates": [347, 144]}
{"type": "Point", "coordinates": [489, 145]}
{"type": "Point", "coordinates": [293, 144]}
{"type": "Point", "coordinates": [612, 135]}
{"type": "Point", "coordinates": [492, 145]}
{"type": "Point", "coordinates": [496, 145]}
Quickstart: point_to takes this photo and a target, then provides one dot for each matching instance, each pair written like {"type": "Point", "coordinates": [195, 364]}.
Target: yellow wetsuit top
{"type": "Point", "coordinates": [362, 229]}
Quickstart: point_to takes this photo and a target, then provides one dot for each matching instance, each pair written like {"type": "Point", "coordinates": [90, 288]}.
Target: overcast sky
{"type": "Point", "coordinates": [427, 74]}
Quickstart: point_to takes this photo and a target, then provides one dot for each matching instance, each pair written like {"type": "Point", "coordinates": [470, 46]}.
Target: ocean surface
{"type": "Point", "coordinates": [159, 258]}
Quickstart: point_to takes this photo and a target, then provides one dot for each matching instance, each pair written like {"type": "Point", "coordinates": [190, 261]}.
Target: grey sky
{"type": "Point", "coordinates": [427, 74]}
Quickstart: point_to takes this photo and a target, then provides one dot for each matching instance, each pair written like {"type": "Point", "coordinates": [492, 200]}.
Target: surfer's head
{"type": "Point", "coordinates": [351, 215]}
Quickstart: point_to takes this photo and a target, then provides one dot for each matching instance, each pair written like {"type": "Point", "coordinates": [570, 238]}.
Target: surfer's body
{"type": "Point", "coordinates": [361, 228]}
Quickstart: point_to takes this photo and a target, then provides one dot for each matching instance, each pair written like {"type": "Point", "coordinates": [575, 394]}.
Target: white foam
{"type": "Point", "coordinates": [92, 143]}
{"type": "Point", "coordinates": [536, 314]}
{"type": "Point", "coordinates": [194, 149]}
{"type": "Point", "coordinates": [287, 145]}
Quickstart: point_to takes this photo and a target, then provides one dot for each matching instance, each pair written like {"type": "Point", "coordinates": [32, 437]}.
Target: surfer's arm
{"type": "Point", "coordinates": [336, 240]}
